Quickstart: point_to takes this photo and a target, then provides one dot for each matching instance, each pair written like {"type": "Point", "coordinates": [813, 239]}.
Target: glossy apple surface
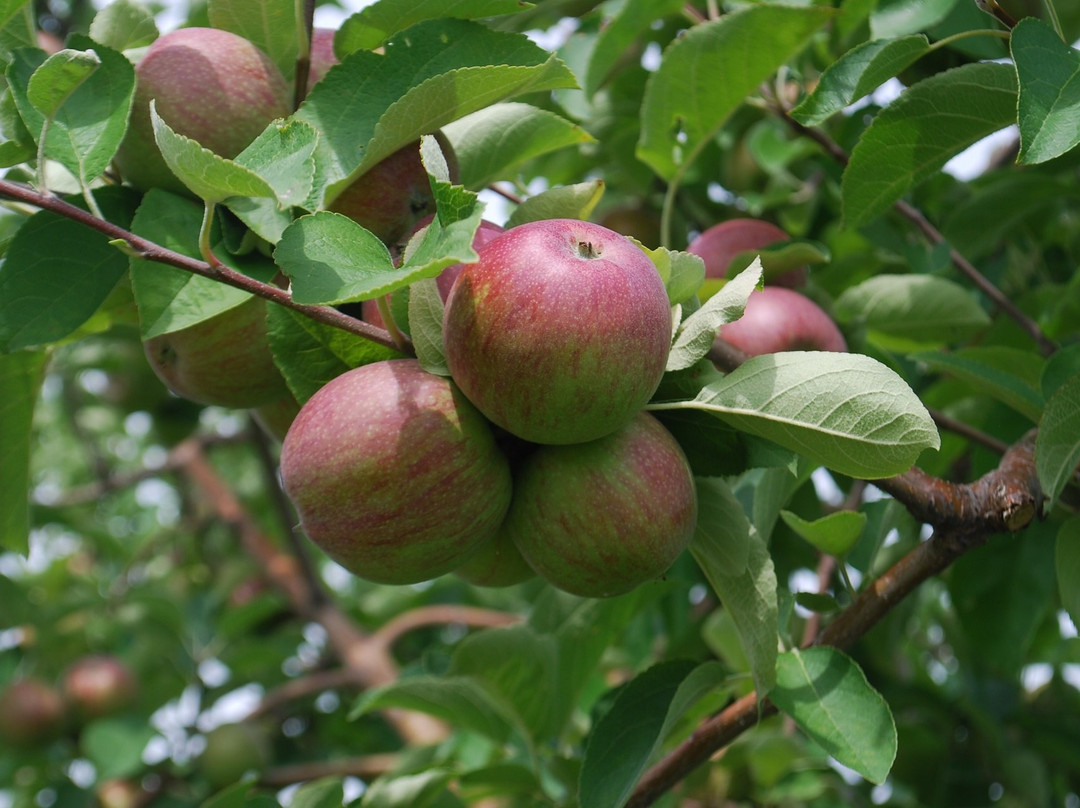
{"type": "Point", "coordinates": [600, 518]}
{"type": "Point", "coordinates": [560, 332]}
{"type": "Point", "coordinates": [394, 474]}
{"type": "Point", "coordinates": [212, 86]}
{"type": "Point", "coordinates": [225, 360]}
{"type": "Point", "coordinates": [718, 245]}
{"type": "Point", "coordinates": [780, 319]}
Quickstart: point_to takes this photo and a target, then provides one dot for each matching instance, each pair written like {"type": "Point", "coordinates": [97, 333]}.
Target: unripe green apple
{"type": "Point", "coordinates": [636, 221]}
{"type": "Point", "coordinates": [497, 563]}
{"type": "Point", "coordinates": [560, 332]}
{"type": "Point", "coordinates": [211, 85]}
{"type": "Point", "coordinates": [779, 319]}
{"type": "Point", "coordinates": [718, 245]}
{"type": "Point", "coordinates": [275, 417]}
{"type": "Point", "coordinates": [394, 474]}
{"type": "Point", "coordinates": [600, 518]}
{"type": "Point", "coordinates": [98, 685]}
{"type": "Point", "coordinates": [31, 713]}
{"type": "Point", "coordinates": [225, 360]}
{"type": "Point", "coordinates": [233, 750]}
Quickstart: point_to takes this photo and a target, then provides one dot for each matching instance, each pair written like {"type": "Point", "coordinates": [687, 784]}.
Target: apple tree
{"type": "Point", "coordinates": [554, 404]}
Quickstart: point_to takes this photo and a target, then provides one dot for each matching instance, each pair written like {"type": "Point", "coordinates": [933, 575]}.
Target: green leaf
{"type": "Point", "coordinates": [332, 259]}
{"type": "Point", "coordinates": [123, 24]}
{"type": "Point", "coordinates": [906, 312]}
{"type": "Point", "coordinates": [209, 176]}
{"type": "Point", "coordinates": [272, 25]}
{"type": "Point", "coordinates": [327, 792]}
{"type": "Point", "coordinates": [1048, 72]}
{"type": "Point", "coordinates": [622, 35]}
{"type": "Point", "coordinates": [563, 202]}
{"type": "Point", "coordinates": [845, 411]}
{"type": "Point", "coordinates": [930, 123]}
{"type": "Point", "coordinates": [58, 272]}
{"type": "Point", "coordinates": [697, 332]}
{"type": "Point", "coordinates": [856, 74]}
{"type": "Point", "coordinates": [419, 790]}
{"type": "Point", "coordinates": [997, 371]}
{"type": "Point", "coordinates": [492, 142]}
{"type": "Point", "coordinates": [21, 375]}
{"type": "Point", "coordinates": [894, 18]}
{"type": "Point", "coordinates": [461, 701]}
{"type": "Point", "coordinates": [686, 101]}
{"type": "Point", "coordinates": [425, 325]}
{"type": "Point", "coordinates": [827, 695]}
{"type": "Point", "coordinates": [1057, 444]}
{"type": "Point", "coordinates": [682, 272]}
{"type": "Point", "coordinates": [721, 541]}
{"type": "Point", "coordinates": [58, 77]}
{"type": "Point", "coordinates": [1067, 563]}
{"type": "Point", "coordinates": [284, 156]}
{"type": "Point", "coordinates": [750, 599]}
{"type": "Point", "coordinates": [115, 745]}
{"type": "Point", "coordinates": [626, 737]}
{"type": "Point", "coordinates": [373, 25]}
{"type": "Point", "coordinates": [309, 353]}
{"type": "Point", "coordinates": [431, 74]}
{"type": "Point", "coordinates": [834, 534]}
{"type": "Point", "coordinates": [87, 129]}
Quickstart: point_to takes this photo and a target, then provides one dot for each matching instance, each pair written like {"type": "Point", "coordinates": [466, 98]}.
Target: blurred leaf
{"type": "Point", "coordinates": [624, 740]}
{"type": "Point", "coordinates": [930, 123]}
{"type": "Point", "coordinates": [575, 201]}
{"type": "Point", "coordinates": [1057, 444]}
{"type": "Point", "coordinates": [834, 534]}
{"type": "Point", "coordinates": [997, 371]}
{"type": "Point", "coordinates": [750, 598]}
{"type": "Point", "coordinates": [327, 792]}
{"type": "Point", "coordinates": [697, 332]}
{"type": "Point", "coordinates": [721, 542]}
{"type": "Point", "coordinates": [492, 142]}
{"type": "Point", "coordinates": [58, 272]}
{"type": "Point", "coordinates": [827, 694]}
{"type": "Point", "coordinates": [1049, 74]}
{"type": "Point", "coordinates": [1067, 564]}
{"type": "Point", "coordinates": [21, 375]}
{"type": "Point", "coordinates": [372, 25]}
{"type": "Point", "coordinates": [419, 790]}
{"type": "Point", "coordinates": [856, 74]}
{"type": "Point", "coordinates": [272, 25]}
{"type": "Point", "coordinates": [845, 411]}
{"type": "Point", "coordinates": [903, 312]}
{"type": "Point", "coordinates": [894, 18]}
{"type": "Point", "coordinates": [685, 104]}
{"type": "Point", "coordinates": [123, 24]}
{"type": "Point", "coordinates": [115, 745]}
{"type": "Point", "coordinates": [620, 35]}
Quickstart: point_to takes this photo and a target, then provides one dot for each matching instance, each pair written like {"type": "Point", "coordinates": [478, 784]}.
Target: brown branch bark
{"type": "Point", "coordinates": [438, 615]}
{"type": "Point", "coordinates": [367, 767]}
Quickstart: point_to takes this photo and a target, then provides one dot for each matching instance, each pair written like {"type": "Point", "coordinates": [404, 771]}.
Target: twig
{"type": "Point", "coordinates": [366, 767]}
{"type": "Point", "coordinates": [442, 614]}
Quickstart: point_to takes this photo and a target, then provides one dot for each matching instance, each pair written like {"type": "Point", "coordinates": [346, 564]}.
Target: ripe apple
{"type": "Point", "coordinates": [394, 194]}
{"type": "Point", "coordinates": [225, 360]}
{"type": "Point", "coordinates": [719, 244]}
{"type": "Point", "coordinates": [445, 281]}
{"type": "Point", "coordinates": [322, 56]}
{"type": "Point", "coordinates": [212, 86]}
{"type": "Point", "coordinates": [497, 563]}
{"type": "Point", "coordinates": [31, 712]}
{"type": "Point", "coordinates": [98, 685]}
{"type": "Point", "coordinates": [394, 474]}
{"type": "Point", "coordinates": [560, 332]}
{"type": "Point", "coordinates": [780, 319]}
{"type": "Point", "coordinates": [597, 519]}
{"type": "Point", "coordinates": [233, 750]}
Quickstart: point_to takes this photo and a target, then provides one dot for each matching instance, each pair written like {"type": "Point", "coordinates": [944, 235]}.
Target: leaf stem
{"type": "Point", "coordinates": [1051, 12]}
{"type": "Point", "coordinates": [390, 323]}
{"type": "Point", "coordinates": [946, 41]}
{"type": "Point", "coordinates": [205, 250]}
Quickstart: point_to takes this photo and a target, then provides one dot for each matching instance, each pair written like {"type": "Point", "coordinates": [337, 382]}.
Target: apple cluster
{"type": "Point", "coordinates": [535, 455]}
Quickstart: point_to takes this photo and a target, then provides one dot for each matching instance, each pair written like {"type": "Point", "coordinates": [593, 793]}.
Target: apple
{"type": "Point", "coordinates": [636, 221]}
{"type": "Point", "coordinates": [275, 417]}
{"type": "Point", "coordinates": [212, 86]}
{"type": "Point", "coordinates": [233, 750]}
{"type": "Point", "coordinates": [119, 793]}
{"type": "Point", "coordinates": [445, 281]}
{"type": "Point", "coordinates": [31, 712]}
{"type": "Point", "coordinates": [560, 332]}
{"type": "Point", "coordinates": [394, 194]}
{"type": "Point", "coordinates": [718, 245]}
{"type": "Point", "coordinates": [98, 685]}
{"type": "Point", "coordinates": [322, 56]}
{"type": "Point", "coordinates": [394, 474]}
{"type": "Point", "coordinates": [781, 319]}
{"type": "Point", "coordinates": [224, 360]}
{"type": "Point", "coordinates": [497, 563]}
{"type": "Point", "coordinates": [600, 518]}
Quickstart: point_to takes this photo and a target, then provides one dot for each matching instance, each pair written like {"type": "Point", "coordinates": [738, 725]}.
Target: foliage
{"type": "Point", "coordinates": [138, 524]}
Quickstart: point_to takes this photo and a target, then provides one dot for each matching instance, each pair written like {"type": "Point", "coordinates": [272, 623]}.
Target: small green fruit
{"type": "Point", "coordinates": [233, 750]}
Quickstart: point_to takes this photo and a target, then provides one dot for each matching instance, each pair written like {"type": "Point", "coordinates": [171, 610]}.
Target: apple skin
{"type": "Point", "coordinates": [212, 86]}
{"type": "Point", "coordinates": [560, 332]}
{"type": "Point", "coordinates": [635, 221]}
{"type": "Point", "coordinates": [719, 244]}
{"type": "Point", "coordinates": [322, 56]}
{"type": "Point", "coordinates": [31, 712]}
{"type": "Point", "coordinates": [445, 280]}
{"type": "Point", "coordinates": [232, 750]}
{"type": "Point", "coordinates": [98, 685]}
{"type": "Point", "coordinates": [394, 474]}
{"type": "Point", "coordinates": [225, 361]}
{"type": "Point", "coordinates": [497, 563]}
{"type": "Point", "coordinates": [780, 319]}
{"type": "Point", "coordinates": [600, 518]}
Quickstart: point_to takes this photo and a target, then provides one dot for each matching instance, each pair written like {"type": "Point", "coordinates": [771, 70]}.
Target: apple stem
{"type": "Point", "coordinates": [586, 249]}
